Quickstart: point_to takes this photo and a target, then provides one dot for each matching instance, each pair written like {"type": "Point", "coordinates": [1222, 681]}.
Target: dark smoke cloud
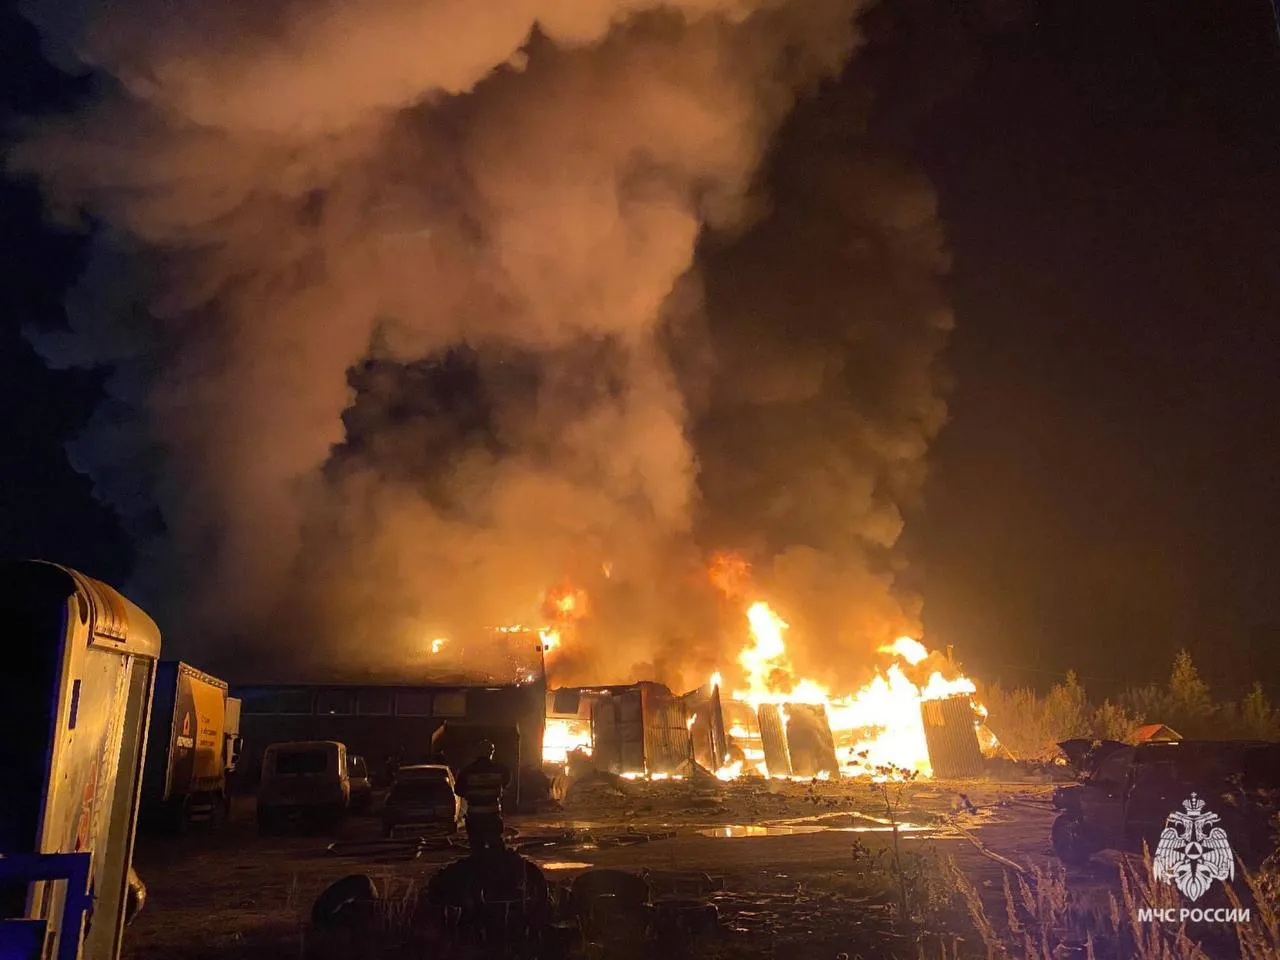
{"type": "Point", "coordinates": [405, 325]}
{"type": "Point", "coordinates": [826, 398]}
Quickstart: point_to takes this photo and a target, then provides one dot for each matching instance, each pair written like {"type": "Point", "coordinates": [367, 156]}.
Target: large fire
{"type": "Point", "coordinates": [564, 735]}
{"type": "Point", "coordinates": [877, 730]}
{"type": "Point", "coordinates": [874, 728]}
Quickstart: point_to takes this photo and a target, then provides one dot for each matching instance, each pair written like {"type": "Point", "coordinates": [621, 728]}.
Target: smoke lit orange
{"type": "Point", "coordinates": [730, 574]}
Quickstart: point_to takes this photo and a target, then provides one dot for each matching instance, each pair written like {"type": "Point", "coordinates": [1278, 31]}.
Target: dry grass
{"type": "Point", "coordinates": [1044, 920]}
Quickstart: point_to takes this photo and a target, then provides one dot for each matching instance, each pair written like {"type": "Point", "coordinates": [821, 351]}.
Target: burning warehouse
{"type": "Point", "coordinates": [644, 730]}
{"type": "Point", "coordinates": [635, 730]}
{"type": "Point", "coordinates": [914, 714]}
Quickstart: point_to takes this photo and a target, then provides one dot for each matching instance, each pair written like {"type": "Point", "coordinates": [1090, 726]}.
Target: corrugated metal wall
{"type": "Point", "coordinates": [666, 731]}
{"type": "Point", "coordinates": [617, 722]}
{"type": "Point", "coordinates": [809, 741]}
{"type": "Point", "coordinates": [773, 737]}
{"type": "Point", "coordinates": [951, 737]}
{"type": "Point", "coordinates": [645, 729]}
{"type": "Point", "coordinates": [706, 733]}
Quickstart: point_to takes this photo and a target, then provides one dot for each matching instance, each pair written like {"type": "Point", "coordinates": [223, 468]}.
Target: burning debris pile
{"type": "Point", "coordinates": [773, 722]}
{"type": "Point", "coordinates": [876, 727]}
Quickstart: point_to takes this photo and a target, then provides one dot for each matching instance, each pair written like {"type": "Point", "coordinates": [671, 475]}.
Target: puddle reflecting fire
{"type": "Point", "coordinates": [862, 824]}
{"type": "Point", "coordinates": [756, 830]}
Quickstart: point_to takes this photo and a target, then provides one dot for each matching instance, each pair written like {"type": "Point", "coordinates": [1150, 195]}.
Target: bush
{"type": "Point", "coordinates": [1111, 721]}
{"type": "Point", "coordinates": [1031, 726]}
{"type": "Point", "coordinates": [1017, 719]}
{"type": "Point", "coordinates": [1258, 719]}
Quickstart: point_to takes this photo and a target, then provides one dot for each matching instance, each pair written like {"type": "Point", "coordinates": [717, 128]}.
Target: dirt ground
{"type": "Point", "coordinates": [802, 866]}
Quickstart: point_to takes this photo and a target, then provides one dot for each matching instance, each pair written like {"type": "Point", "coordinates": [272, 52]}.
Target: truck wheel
{"type": "Point", "coordinates": [1069, 840]}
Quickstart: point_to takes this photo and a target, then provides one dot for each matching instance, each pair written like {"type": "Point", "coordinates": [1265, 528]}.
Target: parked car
{"type": "Point", "coordinates": [361, 784]}
{"type": "Point", "coordinates": [307, 780]}
{"type": "Point", "coordinates": [1127, 793]}
{"type": "Point", "coordinates": [421, 800]}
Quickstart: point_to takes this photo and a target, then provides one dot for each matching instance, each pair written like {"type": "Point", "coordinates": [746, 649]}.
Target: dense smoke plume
{"type": "Point", "coordinates": [415, 309]}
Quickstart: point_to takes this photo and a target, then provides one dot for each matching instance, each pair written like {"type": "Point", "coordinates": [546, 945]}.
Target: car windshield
{"type": "Point", "coordinates": [296, 762]}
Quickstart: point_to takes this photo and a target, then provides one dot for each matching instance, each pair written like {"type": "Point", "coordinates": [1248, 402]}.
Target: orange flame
{"type": "Point", "coordinates": [876, 727]}
{"type": "Point", "coordinates": [562, 736]}
{"type": "Point", "coordinates": [908, 648]}
{"type": "Point", "coordinates": [565, 603]}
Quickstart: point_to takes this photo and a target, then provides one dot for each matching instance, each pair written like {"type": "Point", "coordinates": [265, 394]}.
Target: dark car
{"type": "Point", "coordinates": [426, 802]}
{"type": "Point", "coordinates": [361, 784]}
{"type": "Point", "coordinates": [1128, 792]}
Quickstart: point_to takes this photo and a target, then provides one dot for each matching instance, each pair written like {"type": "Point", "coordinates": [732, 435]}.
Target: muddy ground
{"type": "Point", "coordinates": [806, 869]}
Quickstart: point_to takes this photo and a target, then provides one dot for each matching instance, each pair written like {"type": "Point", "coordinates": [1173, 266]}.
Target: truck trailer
{"type": "Point", "coordinates": [192, 748]}
{"type": "Point", "coordinates": [75, 696]}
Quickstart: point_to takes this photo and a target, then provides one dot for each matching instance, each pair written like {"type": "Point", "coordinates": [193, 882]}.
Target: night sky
{"type": "Point", "coordinates": [1106, 488]}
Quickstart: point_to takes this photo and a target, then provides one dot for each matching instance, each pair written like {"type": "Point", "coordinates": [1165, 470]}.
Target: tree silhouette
{"type": "Point", "coordinates": [1192, 710]}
